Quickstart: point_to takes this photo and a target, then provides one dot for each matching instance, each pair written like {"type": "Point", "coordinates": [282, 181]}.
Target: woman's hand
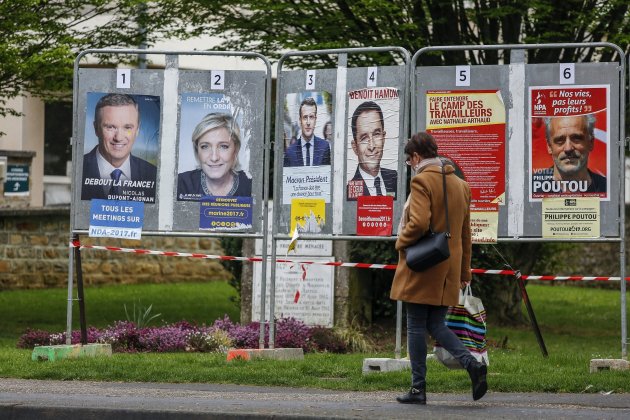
{"type": "Point", "coordinates": [465, 283]}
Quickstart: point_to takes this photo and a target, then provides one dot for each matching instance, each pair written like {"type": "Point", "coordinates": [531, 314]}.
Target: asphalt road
{"type": "Point", "coordinates": [41, 400]}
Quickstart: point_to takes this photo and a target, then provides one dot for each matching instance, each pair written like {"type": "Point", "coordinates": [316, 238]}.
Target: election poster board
{"type": "Point", "coordinates": [372, 143]}
{"type": "Point", "coordinates": [121, 146]}
{"type": "Point", "coordinates": [569, 141]}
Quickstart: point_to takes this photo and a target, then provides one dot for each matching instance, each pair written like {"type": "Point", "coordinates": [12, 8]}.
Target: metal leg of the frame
{"type": "Point", "coordinates": [398, 350]}
{"type": "Point", "coordinates": [624, 319]}
{"type": "Point", "coordinates": [70, 284]}
{"type": "Point", "coordinates": [530, 312]}
{"type": "Point", "coordinates": [77, 259]}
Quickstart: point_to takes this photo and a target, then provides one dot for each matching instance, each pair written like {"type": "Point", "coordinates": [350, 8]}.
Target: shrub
{"type": "Point", "coordinates": [123, 337]}
{"type": "Point", "coordinates": [140, 316]}
{"type": "Point", "coordinates": [208, 341]}
{"type": "Point", "coordinates": [355, 339]}
{"type": "Point", "coordinates": [293, 333]}
{"type": "Point", "coordinates": [243, 336]}
{"type": "Point", "coordinates": [325, 339]}
{"type": "Point", "coordinates": [32, 338]}
{"type": "Point", "coordinates": [170, 338]}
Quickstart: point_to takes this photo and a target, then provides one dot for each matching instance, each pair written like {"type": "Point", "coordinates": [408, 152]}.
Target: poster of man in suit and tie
{"type": "Point", "coordinates": [121, 140]}
{"type": "Point", "coordinates": [307, 155]}
{"type": "Point", "coordinates": [372, 157]}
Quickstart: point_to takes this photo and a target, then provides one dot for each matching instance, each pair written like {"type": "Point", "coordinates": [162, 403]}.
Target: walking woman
{"type": "Point", "coordinates": [428, 294]}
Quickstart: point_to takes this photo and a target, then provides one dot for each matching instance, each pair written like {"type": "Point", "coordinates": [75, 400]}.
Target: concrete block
{"type": "Point", "coordinates": [609, 364]}
{"type": "Point", "coordinates": [74, 351]}
{"type": "Point", "coordinates": [385, 365]}
{"type": "Point", "coordinates": [273, 354]}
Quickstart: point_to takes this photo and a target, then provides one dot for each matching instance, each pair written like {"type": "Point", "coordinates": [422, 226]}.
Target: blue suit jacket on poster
{"type": "Point", "coordinates": [321, 153]}
{"type": "Point", "coordinates": [390, 179]}
{"type": "Point", "coordinates": [141, 170]}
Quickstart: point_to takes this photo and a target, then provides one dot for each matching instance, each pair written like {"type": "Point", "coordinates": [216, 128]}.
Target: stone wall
{"type": "Point", "coordinates": [34, 254]}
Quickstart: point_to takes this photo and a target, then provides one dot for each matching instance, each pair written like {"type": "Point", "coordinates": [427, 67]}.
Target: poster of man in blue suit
{"type": "Point", "coordinates": [307, 155]}
{"type": "Point", "coordinates": [308, 149]}
{"type": "Point", "coordinates": [121, 146]}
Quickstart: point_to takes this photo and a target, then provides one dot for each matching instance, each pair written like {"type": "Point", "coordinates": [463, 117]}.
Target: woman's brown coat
{"type": "Point", "coordinates": [440, 284]}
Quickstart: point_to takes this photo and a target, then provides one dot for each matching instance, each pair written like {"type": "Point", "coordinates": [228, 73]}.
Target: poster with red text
{"type": "Point", "coordinates": [469, 128]}
{"type": "Point", "coordinates": [375, 215]}
{"type": "Point", "coordinates": [569, 141]}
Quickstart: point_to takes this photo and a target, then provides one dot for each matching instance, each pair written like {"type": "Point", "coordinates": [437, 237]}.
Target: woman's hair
{"type": "Point", "coordinates": [216, 120]}
{"type": "Point", "coordinates": [423, 144]}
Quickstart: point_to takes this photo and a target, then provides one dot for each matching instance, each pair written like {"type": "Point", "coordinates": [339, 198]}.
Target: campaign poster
{"type": "Point", "coordinates": [375, 215]}
{"type": "Point", "coordinates": [569, 141]}
{"type": "Point", "coordinates": [308, 215]}
{"type": "Point", "coordinates": [307, 151]}
{"type": "Point", "coordinates": [469, 128]}
{"type": "Point", "coordinates": [572, 217]}
{"type": "Point", "coordinates": [121, 142]}
{"type": "Point", "coordinates": [116, 219]}
{"type": "Point", "coordinates": [372, 144]}
{"type": "Point", "coordinates": [484, 225]}
{"type": "Point", "coordinates": [225, 213]}
{"type": "Point", "coordinates": [214, 148]}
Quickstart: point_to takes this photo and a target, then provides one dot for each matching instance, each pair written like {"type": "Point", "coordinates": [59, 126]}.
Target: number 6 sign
{"type": "Point", "coordinates": [567, 73]}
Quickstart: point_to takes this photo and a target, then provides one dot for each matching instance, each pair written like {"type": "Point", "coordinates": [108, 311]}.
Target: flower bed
{"type": "Point", "coordinates": [223, 334]}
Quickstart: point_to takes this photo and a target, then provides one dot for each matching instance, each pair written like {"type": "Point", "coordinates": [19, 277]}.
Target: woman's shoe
{"type": "Point", "coordinates": [414, 396]}
{"type": "Point", "coordinates": [477, 372]}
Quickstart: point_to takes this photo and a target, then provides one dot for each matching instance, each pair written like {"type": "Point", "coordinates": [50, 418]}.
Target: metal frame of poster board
{"type": "Point", "coordinates": [341, 78]}
{"type": "Point", "coordinates": [211, 88]}
{"type": "Point", "coordinates": [614, 217]}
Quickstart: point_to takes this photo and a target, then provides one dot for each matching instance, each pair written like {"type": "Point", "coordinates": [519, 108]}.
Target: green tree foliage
{"type": "Point", "coordinates": [272, 27]}
{"type": "Point", "coordinates": [39, 39]}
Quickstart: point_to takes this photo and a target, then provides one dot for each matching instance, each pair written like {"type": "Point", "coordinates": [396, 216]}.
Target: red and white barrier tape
{"type": "Point", "coordinates": [77, 244]}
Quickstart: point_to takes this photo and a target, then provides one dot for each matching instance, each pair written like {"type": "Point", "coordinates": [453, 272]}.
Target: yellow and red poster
{"type": "Point", "coordinates": [569, 141]}
{"type": "Point", "coordinates": [469, 128]}
{"type": "Point", "coordinates": [308, 215]}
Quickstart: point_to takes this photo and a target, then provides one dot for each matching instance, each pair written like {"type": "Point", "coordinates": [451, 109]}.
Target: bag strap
{"type": "Point", "coordinates": [448, 226]}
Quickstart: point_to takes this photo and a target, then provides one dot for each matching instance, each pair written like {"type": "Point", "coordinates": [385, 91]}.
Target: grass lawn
{"type": "Point", "coordinates": [578, 324]}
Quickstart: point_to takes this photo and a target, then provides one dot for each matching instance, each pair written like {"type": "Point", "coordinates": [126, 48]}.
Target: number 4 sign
{"type": "Point", "coordinates": [371, 76]}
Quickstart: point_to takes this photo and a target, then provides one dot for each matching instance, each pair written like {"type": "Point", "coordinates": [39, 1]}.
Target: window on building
{"type": "Point", "coordinates": [57, 134]}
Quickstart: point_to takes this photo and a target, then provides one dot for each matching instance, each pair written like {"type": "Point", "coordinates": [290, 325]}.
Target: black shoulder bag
{"type": "Point", "coordinates": [432, 248]}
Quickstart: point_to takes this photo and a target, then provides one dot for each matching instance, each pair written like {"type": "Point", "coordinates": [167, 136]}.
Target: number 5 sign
{"type": "Point", "coordinates": [462, 75]}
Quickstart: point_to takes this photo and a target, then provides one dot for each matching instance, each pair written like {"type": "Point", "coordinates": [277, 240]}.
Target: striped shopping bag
{"type": "Point", "coordinates": [468, 321]}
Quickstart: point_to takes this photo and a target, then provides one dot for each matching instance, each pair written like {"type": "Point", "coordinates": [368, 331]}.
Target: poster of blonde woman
{"type": "Point", "coordinates": [213, 149]}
